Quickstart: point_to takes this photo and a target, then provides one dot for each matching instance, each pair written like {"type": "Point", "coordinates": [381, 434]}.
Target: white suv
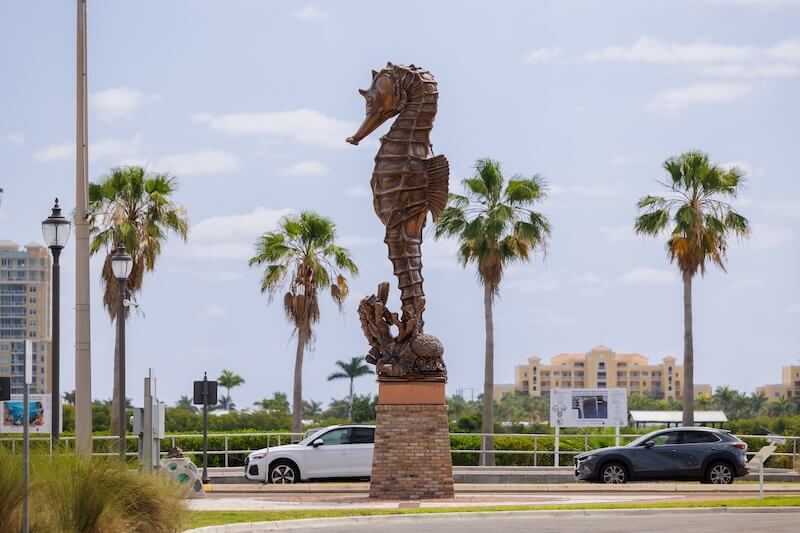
{"type": "Point", "coordinates": [336, 451]}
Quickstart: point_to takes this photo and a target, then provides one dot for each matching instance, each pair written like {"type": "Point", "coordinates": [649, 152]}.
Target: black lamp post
{"type": "Point", "coordinates": [121, 264]}
{"type": "Point", "coordinates": [55, 230]}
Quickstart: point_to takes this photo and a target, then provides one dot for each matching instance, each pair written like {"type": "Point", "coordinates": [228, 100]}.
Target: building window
{"type": "Point", "coordinates": [32, 288]}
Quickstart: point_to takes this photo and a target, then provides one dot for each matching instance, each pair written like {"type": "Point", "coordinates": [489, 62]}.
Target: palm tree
{"type": "Point", "coordinates": [302, 256]}
{"type": "Point", "coordinates": [756, 403]}
{"type": "Point", "coordinates": [279, 403]}
{"type": "Point", "coordinates": [495, 227]}
{"type": "Point", "coordinates": [312, 409]}
{"type": "Point", "coordinates": [352, 370]}
{"type": "Point", "coordinates": [186, 404]}
{"type": "Point", "coordinates": [132, 207]}
{"type": "Point", "coordinates": [69, 397]}
{"type": "Point", "coordinates": [781, 407]}
{"type": "Point", "coordinates": [229, 380]}
{"type": "Point", "coordinates": [704, 401]}
{"type": "Point", "coordinates": [699, 221]}
{"type": "Point", "coordinates": [724, 397]}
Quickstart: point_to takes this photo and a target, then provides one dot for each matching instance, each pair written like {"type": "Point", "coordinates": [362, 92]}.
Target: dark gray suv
{"type": "Point", "coordinates": [692, 453]}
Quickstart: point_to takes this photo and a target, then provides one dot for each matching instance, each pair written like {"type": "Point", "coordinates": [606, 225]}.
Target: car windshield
{"type": "Point", "coordinates": [313, 434]}
{"type": "Point", "coordinates": [641, 440]}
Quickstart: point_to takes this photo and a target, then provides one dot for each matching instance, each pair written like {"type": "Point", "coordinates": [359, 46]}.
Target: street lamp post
{"type": "Point", "coordinates": [55, 230]}
{"type": "Point", "coordinates": [121, 264]}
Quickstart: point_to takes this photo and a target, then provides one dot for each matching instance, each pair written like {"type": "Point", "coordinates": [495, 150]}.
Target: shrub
{"type": "Point", "coordinates": [74, 494]}
{"type": "Point", "coordinates": [11, 492]}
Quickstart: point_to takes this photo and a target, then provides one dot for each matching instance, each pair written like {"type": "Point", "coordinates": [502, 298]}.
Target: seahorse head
{"type": "Point", "coordinates": [384, 100]}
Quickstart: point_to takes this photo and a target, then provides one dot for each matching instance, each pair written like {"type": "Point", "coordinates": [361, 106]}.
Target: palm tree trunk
{"type": "Point", "coordinates": [688, 353]}
{"type": "Point", "coordinates": [115, 396]}
{"type": "Point", "coordinates": [297, 396]}
{"type": "Point", "coordinates": [351, 399]}
{"type": "Point", "coordinates": [487, 459]}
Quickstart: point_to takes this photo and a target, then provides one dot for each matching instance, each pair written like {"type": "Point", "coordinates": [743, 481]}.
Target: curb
{"type": "Point", "coordinates": [288, 525]}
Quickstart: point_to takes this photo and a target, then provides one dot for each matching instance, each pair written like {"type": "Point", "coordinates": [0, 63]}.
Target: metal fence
{"type": "Point", "coordinates": [535, 445]}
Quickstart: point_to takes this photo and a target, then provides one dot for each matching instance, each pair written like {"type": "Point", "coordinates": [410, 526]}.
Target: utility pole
{"type": "Point", "coordinates": [83, 357]}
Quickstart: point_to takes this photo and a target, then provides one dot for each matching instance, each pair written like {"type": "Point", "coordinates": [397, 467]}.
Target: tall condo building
{"type": "Point", "coordinates": [25, 298]}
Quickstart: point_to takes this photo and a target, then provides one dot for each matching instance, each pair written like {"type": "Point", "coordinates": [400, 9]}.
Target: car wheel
{"type": "Point", "coordinates": [613, 473]}
{"type": "Point", "coordinates": [720, 474]}
{"type": "Point", "coordinates": [283, 472]}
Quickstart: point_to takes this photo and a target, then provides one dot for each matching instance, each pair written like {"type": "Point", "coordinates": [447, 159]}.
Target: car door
{"type": "Point", "coordinates": [362, 444]}
{"type": "Point", "coordinates": [331, 458]}
{"type": "Point", "coordinates": [696, 446]}
{"type": "Point", "coordinates": [661, 461]}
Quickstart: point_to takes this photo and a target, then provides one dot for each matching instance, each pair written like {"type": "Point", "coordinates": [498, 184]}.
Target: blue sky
{"type": "Point", "coordinates": [248, 104]}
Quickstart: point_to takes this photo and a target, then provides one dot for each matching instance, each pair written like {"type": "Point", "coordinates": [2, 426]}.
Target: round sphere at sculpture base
{"type": "Point", "coordinates": [428, 346]}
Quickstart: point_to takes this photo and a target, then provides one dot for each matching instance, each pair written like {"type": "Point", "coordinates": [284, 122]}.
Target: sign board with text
{"type": "Point", "coordinates": [578, 408]}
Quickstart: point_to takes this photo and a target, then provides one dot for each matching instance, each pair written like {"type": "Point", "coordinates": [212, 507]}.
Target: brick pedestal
{"type": "Point", "coordinates": [412, 443]}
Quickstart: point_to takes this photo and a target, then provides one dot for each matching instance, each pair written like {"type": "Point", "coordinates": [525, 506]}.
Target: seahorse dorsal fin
{"type": "Point", "coordinates": [374, 73]}
{"type": "Point", "coordinates": [362, 92]}
{"type": "Point", "coordinates": [437, 185]}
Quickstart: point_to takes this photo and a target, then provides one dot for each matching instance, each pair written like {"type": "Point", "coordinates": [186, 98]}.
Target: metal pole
{"type": "Point", "coordinates": [55, 377]}
{"type": "Point", "coordinates": [121, 363]}
{"type": "Point", "coordinates": [761, 480]}
{"type": "Point", "coordinates": [25, 457]}
{"type": "Point", "coordinates": [83, 354]}
{"type": "Point", "coordinates": [205, 428]}
{"type": "Point", "coordinates": [26, 436]}
{"type": "Point", "coordinates": [616, 435]}
{"type": "Point", "coordinates": [556, 461]}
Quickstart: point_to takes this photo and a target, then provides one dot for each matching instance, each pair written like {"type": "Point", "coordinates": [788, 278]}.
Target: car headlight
{"type": "Point", "coordinates": [587, 458]}
{"type": "Point", "coordinates": [258, 455]}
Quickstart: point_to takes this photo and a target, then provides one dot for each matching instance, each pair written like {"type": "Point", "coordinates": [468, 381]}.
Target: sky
{"type": "Point", "coordinates": [248, 105]}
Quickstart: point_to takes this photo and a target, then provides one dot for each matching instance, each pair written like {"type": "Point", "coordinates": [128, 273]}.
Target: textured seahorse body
{"type": "Point", "coordinates": [409, 181]}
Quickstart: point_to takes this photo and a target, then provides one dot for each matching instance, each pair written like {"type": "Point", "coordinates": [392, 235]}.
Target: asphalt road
{"type": "Point", "coordinates": [667, 522]}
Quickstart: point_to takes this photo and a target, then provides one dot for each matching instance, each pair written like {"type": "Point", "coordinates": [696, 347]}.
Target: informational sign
{"type": "Point", "coordinates": [761, 456]}
{"type": "Point", "coordinates": [577, 408]}
{"type": "Point", "coordinates": [11, 414]}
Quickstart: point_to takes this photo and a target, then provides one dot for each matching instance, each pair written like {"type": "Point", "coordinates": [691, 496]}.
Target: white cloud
{"type": "Point", "coordinates": [622, 160]}
{"type": "Point", "coordinates": [310, 13]}
{"type": "Point", "coordinates": [112, 150]}
{"type": "Point", "coordinates": [13, 137]}
{"type": "Point", "coordinates": [793, 308]}
{"type": "Point", "coordinates": [358, 192]}
{"type": "Point", "coordinates": [213, 311]}
{"type": "Point", "coordinates": [197, 163]}
{"type": "Point", "coordinates": [542, 56]}
{"type": "Point", "coordinates": [303, 126]}
{"type": "Point", "coordinates": [306, 168]}
{"type": "Point", "coordinates": [649, 50]}
{"type": "Point", "coordinates": [758, 3]}
{"type": "Point", "coordinates": [767, 237]}
{"type": "Point", "coordinates": [781, 60]}
{"type": "Point", "coordinates": [117, 102]}
{"type": "Point", "coordinates": [245, 227]}
{"type": "Point", "coordinates": [549, 317]}
{"type": "Point", "coordinates": [648, 276]}
{"type": "Point", "coordinates": [777, 70]}
{"type": "Point", "coordinates": [674, 101]}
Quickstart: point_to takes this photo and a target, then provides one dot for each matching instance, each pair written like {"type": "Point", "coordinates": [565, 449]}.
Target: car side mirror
{"type": "Point", "coordinates": [318, 442]}
{"type": "Point", "coordinates": [649, 444]}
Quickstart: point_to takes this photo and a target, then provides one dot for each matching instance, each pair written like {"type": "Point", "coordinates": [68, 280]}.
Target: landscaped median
{"type": "Point", "coordinates": [199, 519]}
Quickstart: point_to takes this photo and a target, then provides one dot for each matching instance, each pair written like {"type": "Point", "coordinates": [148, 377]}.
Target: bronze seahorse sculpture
{"type": "Point", "coordinates": [408, 182]}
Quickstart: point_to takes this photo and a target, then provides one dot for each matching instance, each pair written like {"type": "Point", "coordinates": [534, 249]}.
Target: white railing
{"type": "Point", "coordinates": [537, 450]}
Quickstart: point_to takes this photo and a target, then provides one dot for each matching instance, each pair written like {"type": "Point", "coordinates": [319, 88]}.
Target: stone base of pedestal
{"type": "Point", "coordinates": [412, 443]}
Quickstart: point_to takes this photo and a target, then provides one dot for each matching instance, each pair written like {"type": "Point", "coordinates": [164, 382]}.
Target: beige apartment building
{"type": "Point", "coordinates": [788, 388]}
{"type": "Point", "coordinates": [600, 368]}
{"type": "Point", "coordinates": [25, 313]}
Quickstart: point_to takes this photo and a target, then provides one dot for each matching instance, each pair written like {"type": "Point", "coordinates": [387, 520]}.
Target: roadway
{"type": "Point", "coordinates": [612, 522]}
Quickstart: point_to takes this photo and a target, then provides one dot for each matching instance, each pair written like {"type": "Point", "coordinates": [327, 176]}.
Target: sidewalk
{"type": "Point", "coordinates": [508, 488]}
